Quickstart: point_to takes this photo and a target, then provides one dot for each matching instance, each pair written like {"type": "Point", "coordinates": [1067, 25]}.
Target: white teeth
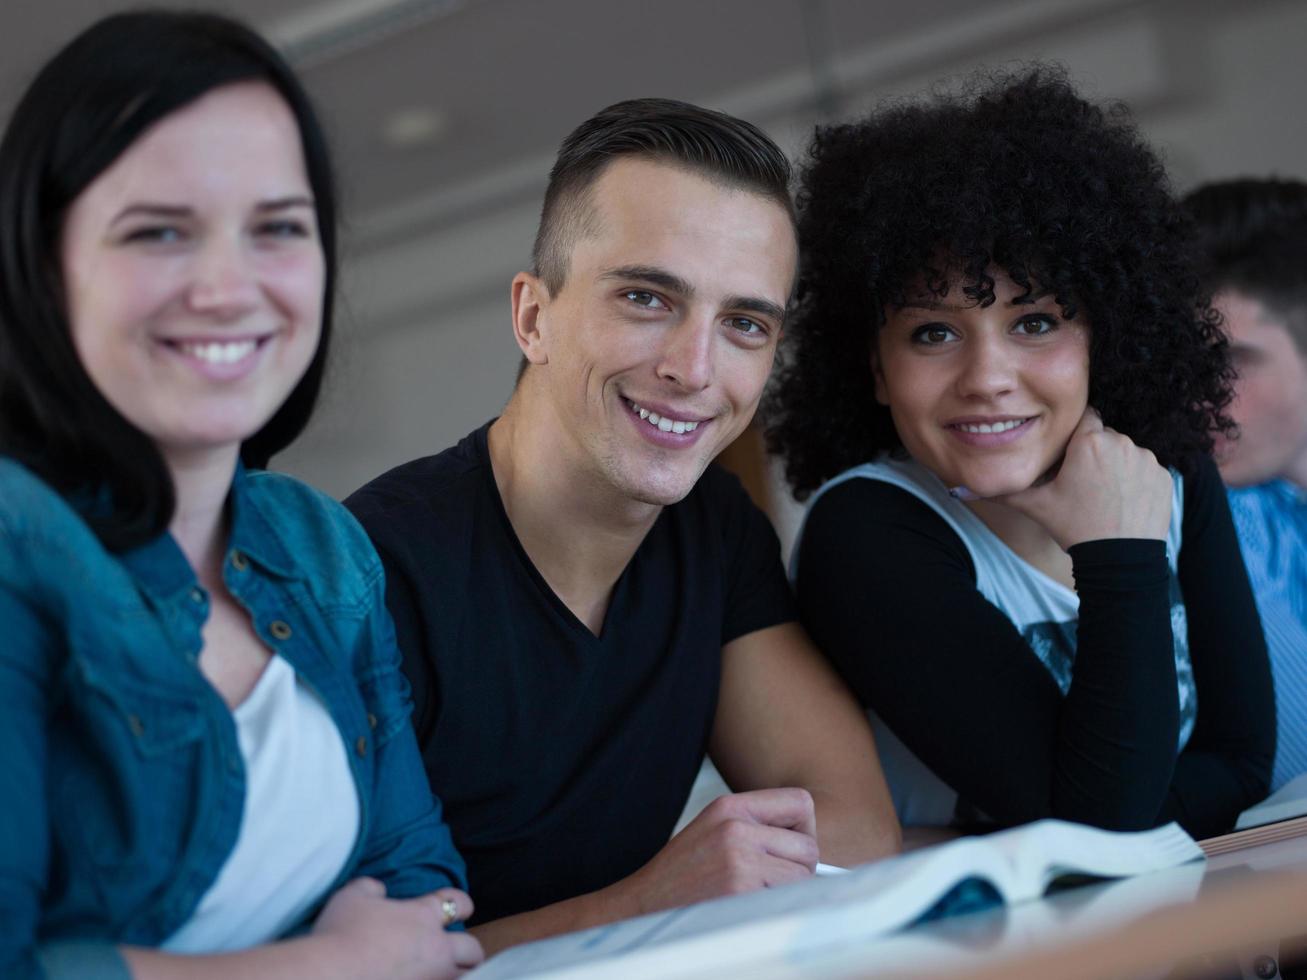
{"type": "Point", "coordinates": [996, 427]}
{"type": "Point", "coordinates": [662, 423]}
{"type": "Point", "coordinates": [220, 353]}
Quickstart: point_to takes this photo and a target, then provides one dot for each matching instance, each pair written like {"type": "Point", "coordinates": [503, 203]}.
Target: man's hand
{"type": "Point", "coordinates": [738, 843]}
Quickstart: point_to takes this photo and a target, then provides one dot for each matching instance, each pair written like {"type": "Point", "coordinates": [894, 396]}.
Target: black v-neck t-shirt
{"type": "Point", "coordinates": [562, 759]}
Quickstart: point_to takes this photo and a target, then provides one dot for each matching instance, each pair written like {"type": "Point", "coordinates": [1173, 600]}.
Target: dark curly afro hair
{"type": "Point", "coordinates": [1021, 174]}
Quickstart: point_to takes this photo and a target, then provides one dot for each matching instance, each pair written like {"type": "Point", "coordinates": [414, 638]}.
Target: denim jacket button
{"type": "Point", "coordinates": [361, 746]}
{"type": "Point", "coordinates": [279, 630]}
{"type": "Point", "coordinates": [372, 720]}
{"type": "Point", "coordinates": [239, 561]}
{"type": "Point", "coordinates": [136, 725]}
{"type": "Point", "coordinates": [197, 595]}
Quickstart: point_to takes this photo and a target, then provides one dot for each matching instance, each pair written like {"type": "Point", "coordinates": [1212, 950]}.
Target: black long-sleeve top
{"type": "Point", "coordinates": [888, 591]}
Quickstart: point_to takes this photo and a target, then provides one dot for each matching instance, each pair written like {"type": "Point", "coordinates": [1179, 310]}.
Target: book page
{"type": "Point", "coordinates": [1289, 801]}
{"type": "Point", "coordinates": [794, 921]}
{"type": "Point", "coordinates": [1045, 850]}
{"type": "Point", "coordinates": [869, 900]}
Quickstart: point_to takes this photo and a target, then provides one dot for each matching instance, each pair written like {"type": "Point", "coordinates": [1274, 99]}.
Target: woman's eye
{"type": "Point", "coordinates": [154, 235]}
{"type": "Point", "coordinates": [642, 297]}
{"type": "Point", "coordinates": [932, 334]}
{"type": "Point", "coordinates": [283, 228]}
{"type": "Point", "coordinates": [1034, 326]}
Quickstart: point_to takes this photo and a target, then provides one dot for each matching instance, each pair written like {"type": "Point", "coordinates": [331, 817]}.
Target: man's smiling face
{"type": "Point", "coordinates": [654, 352]}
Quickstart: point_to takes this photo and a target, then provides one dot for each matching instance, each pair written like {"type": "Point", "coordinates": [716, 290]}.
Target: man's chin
{"type": "Point", "coordinates": [1234, 473]}
{"type": "Point", "coordinates": [660, 490]}
{"type": "Point", "coordinates": [660, 496]}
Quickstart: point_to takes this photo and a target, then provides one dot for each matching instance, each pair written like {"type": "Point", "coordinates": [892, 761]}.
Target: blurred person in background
{"type": "Point", "coordinates": [1255, 237]}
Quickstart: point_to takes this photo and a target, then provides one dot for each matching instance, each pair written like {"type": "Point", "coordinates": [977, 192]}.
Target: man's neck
{"type": "Point", "coordinates": [578, 531]}
{"type": "Point", "coordinates": [1296, 473]}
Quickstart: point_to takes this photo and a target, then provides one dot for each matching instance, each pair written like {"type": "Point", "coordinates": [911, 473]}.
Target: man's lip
{"type": "Point", "coordinates": [665, 411]}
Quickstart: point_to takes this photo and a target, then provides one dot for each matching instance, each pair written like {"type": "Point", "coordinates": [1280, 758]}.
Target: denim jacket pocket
{"type": "Point", "coordinates": [156, 722]}
{"type": "Point", "coordinates": [116, 742]}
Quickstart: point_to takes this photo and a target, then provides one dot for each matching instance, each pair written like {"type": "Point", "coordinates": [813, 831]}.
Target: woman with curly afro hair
{"type": "Point", "coordinates": [998, 396]}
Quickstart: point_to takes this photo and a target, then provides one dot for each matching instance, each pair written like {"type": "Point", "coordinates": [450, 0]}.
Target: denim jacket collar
{"type": "Point", "coordinates": [163, 573]}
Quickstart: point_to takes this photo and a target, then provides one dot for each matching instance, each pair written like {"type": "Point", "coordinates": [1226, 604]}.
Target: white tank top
{"type": "Point", "coordinates": [298, 825]}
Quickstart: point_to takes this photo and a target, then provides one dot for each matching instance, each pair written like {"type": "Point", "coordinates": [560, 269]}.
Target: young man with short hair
{"type": "Point", "coordinates": [1255, 233]}
{"type": "Point", "coordinates": [585, 605]}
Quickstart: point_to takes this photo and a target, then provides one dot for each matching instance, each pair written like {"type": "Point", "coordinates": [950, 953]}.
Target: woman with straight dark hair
{"type": "Point", "coordinates": [208, 747]}
{"type": "Point", "coordinates": [999, 397]}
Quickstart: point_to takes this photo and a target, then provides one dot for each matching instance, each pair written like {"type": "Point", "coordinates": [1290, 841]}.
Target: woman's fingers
{"type": "Point", "coordinates": [1105, 487]}
{"type": "Point", "coordinates": [369, 887]}
{"type": "Point", "coordinates": [450, 904]}
{"type": "Point", "coordinates": [465, 950]}
{"type": "Point", "coordinates": [1090, 421]}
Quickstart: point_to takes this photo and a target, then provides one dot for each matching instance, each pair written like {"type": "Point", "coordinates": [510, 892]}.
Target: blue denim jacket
{"type": "Point", "coordinates": [120, 773]}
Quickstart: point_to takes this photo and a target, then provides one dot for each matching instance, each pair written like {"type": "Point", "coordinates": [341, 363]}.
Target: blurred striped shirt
{"type": "Point", "coordinates": [1271, 520]}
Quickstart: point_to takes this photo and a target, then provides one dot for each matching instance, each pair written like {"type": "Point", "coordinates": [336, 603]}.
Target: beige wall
{"type": "Point", "coordinates": [426, 354]}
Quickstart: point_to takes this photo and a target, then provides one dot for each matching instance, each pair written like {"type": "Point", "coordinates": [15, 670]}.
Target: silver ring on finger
{"type": "Point", "coordinates": [448, 911]}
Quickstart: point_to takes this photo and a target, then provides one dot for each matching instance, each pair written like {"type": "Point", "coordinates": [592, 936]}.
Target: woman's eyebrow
{"type": "Point", "coordinates": [152, 210]}
{"type": "Point", "coordinates": [281, 203]}
{"type": "Point", "coordinates": [935, 307]}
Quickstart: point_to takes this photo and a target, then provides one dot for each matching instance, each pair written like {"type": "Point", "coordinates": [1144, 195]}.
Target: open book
{"type": "Point", "coordinates": [876, 899]}
{"type": "Point", "coordinates": [1289, 801]}
{"type": "Point", "coordinates": [1281, 816]}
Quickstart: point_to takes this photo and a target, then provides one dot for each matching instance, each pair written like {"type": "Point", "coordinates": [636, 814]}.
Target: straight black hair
{"type": "Point", "coordinates": [91, 102]}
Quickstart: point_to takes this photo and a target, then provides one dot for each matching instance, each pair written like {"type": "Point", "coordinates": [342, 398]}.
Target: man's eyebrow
{"type": "Point", "coordinates": [652, 275]}
{"type": "Point", "coordinates": [754, 304]}
{"type": "Point", "coordinates": [673, 283]}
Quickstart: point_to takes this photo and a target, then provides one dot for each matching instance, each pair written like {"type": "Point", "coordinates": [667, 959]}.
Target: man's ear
{"type": "Point", "coordinates": [530, 316]}
{"type": "Point", "coordinates": [877, 375]}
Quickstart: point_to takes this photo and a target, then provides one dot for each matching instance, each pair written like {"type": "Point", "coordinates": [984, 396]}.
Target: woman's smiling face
{"type": "Point", "coordinates": [195, 273]}
{"type": "Point", "coordinates": [986, 397]}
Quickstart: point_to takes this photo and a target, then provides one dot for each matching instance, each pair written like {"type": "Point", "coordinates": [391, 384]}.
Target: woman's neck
{"type": "Point", "coordinates": [199, 522]}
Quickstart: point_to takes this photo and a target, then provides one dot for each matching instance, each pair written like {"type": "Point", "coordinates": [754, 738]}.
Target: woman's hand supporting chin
{"type": "Point", "coordinates": [1106, 487]}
